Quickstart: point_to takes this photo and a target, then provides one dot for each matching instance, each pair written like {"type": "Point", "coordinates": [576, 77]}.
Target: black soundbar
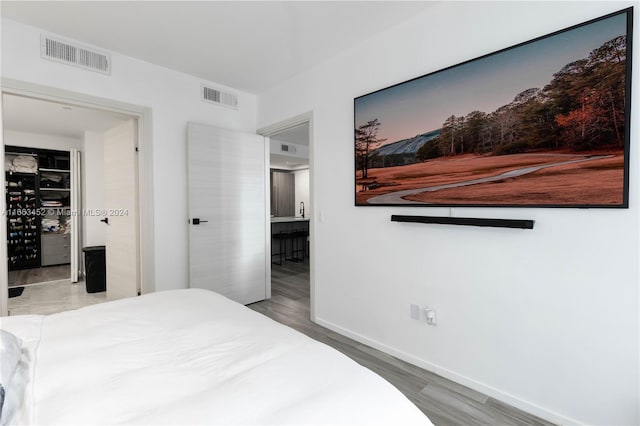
{"type": "Point", "coordinates": [466, 221]}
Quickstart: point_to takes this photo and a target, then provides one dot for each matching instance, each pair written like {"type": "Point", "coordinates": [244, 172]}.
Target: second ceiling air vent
{"type": "Point", "coordinates": [70, 53]}
{"type": "Point", "coordinates": [215, 96]}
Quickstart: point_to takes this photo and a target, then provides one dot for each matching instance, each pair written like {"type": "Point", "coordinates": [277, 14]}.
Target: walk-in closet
{"type": "Point", "coordinates": [42, 234]}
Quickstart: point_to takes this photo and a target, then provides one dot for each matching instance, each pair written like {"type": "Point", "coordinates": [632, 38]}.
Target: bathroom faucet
{"type": "Point", "coordinates": [302, 208]}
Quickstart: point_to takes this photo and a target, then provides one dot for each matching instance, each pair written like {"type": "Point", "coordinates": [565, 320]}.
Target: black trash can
{"type": "Point", "coordinates": [95, 268]}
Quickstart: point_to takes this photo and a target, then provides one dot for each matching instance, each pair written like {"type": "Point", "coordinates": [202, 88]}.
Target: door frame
{"type": "Point", "coordinates": [305, 118]}
{"type": "Point", "coordinates": [145, 171]}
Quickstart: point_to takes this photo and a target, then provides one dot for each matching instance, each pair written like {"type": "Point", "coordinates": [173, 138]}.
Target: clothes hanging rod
{"type": "Point", "coordinates": [20, 153]}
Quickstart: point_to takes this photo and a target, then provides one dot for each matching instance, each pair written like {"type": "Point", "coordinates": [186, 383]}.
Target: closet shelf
{"type": "Point", "coordinates": [55, 189]}
{"type": "Point", "coordinates": [42, 169]}
{"type": "Point", "coordinates": [11, 172]}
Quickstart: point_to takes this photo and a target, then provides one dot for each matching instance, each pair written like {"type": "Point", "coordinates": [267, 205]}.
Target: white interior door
{"type": "Point", "coordinates": [121, 199]}
{"type": "Point", "coordinates": [228, 212]}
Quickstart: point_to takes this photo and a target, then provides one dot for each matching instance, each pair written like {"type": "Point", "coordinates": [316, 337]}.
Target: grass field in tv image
{"type": "Point", "coordinates": [539, 124]}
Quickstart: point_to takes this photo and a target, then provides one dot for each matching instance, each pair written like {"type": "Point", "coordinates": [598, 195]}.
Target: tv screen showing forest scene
{"type": "Point", "coordinates": [541, 124]}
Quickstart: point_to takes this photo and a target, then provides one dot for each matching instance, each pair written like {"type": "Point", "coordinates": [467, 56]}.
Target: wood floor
{"type": "Point", "coordinates": [443, 401]}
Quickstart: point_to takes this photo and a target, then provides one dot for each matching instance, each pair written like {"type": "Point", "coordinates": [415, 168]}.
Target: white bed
{"type": "Point", "coordinates": [188, 357]}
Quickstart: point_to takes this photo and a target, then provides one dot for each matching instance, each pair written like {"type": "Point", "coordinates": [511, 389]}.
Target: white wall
{"type": "Point", "coordinates": [37, 140]}
{"type": "Point", "coordinates": [175, 100]}
{"type": "Point", "coordinates": [545, 319]}
{"type": "Point", "coordinates": [302, 191]}
{"type": "Point", "coordinates": [93, 231]}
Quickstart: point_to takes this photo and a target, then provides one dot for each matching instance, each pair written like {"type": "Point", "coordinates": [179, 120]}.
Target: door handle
{"type": "Point", "coordinates": [105, 220]}
{"type": "Point", "coordinates": [197, 221]}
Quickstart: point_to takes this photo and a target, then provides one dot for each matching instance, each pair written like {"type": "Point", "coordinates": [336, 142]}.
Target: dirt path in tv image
{"type": "Point", "coordinates": [528, 178]}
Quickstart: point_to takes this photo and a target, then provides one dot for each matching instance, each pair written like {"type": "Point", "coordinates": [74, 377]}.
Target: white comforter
{"type": "Point", "coordinates": [192, 357]}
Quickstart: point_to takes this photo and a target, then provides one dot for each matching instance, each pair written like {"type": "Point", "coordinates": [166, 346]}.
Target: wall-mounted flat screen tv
{"type": "Point", "coordinates": [541, 124]}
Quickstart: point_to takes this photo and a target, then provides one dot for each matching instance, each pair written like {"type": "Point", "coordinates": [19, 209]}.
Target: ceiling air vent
{"type": "Point", "coordinates": [218, 97]}
{"type": "Point", "coordinates": [290, 149]}
{"type": "Point", "coordinates": [58, 50]}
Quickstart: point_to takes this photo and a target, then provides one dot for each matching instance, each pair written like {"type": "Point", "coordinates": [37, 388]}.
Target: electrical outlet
{"type": "Point", "coordinates": [415, 312]}
{"type": "Point", "coordinates": [430, 315]}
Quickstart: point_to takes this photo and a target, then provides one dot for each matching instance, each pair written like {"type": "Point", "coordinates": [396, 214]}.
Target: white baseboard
{"type": "Point", "coordinates": [458, 378]}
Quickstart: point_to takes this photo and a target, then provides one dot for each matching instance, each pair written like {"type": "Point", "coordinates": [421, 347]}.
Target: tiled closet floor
{"type": "Point", "coordinates": [53, 297]}
{"type": "Point", "coordinates": [39, 275]}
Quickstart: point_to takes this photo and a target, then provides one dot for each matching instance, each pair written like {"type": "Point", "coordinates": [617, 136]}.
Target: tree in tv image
{"type": "Point", "coordinates": [539, 124]}
{"type": "Point", "coordinates": [366, 142]}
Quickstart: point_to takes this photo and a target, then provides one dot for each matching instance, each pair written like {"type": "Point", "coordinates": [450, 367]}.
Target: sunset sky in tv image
{"type": "Point", "coordinates": [484, 85]}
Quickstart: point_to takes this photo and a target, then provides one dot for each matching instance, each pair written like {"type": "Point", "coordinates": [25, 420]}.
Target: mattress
{"type": "Point", "coordinates": [191, 357]}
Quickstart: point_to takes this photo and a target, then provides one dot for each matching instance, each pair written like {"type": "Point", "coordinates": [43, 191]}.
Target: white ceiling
{"type": "Point", "coordinates": [37, 116]}
{"type": "Point", "coordinates": [286, 162]}
{"type": "Point", "coordinates": [248, 45]}
{"type": "Point", "coordinates": [298, 135]}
